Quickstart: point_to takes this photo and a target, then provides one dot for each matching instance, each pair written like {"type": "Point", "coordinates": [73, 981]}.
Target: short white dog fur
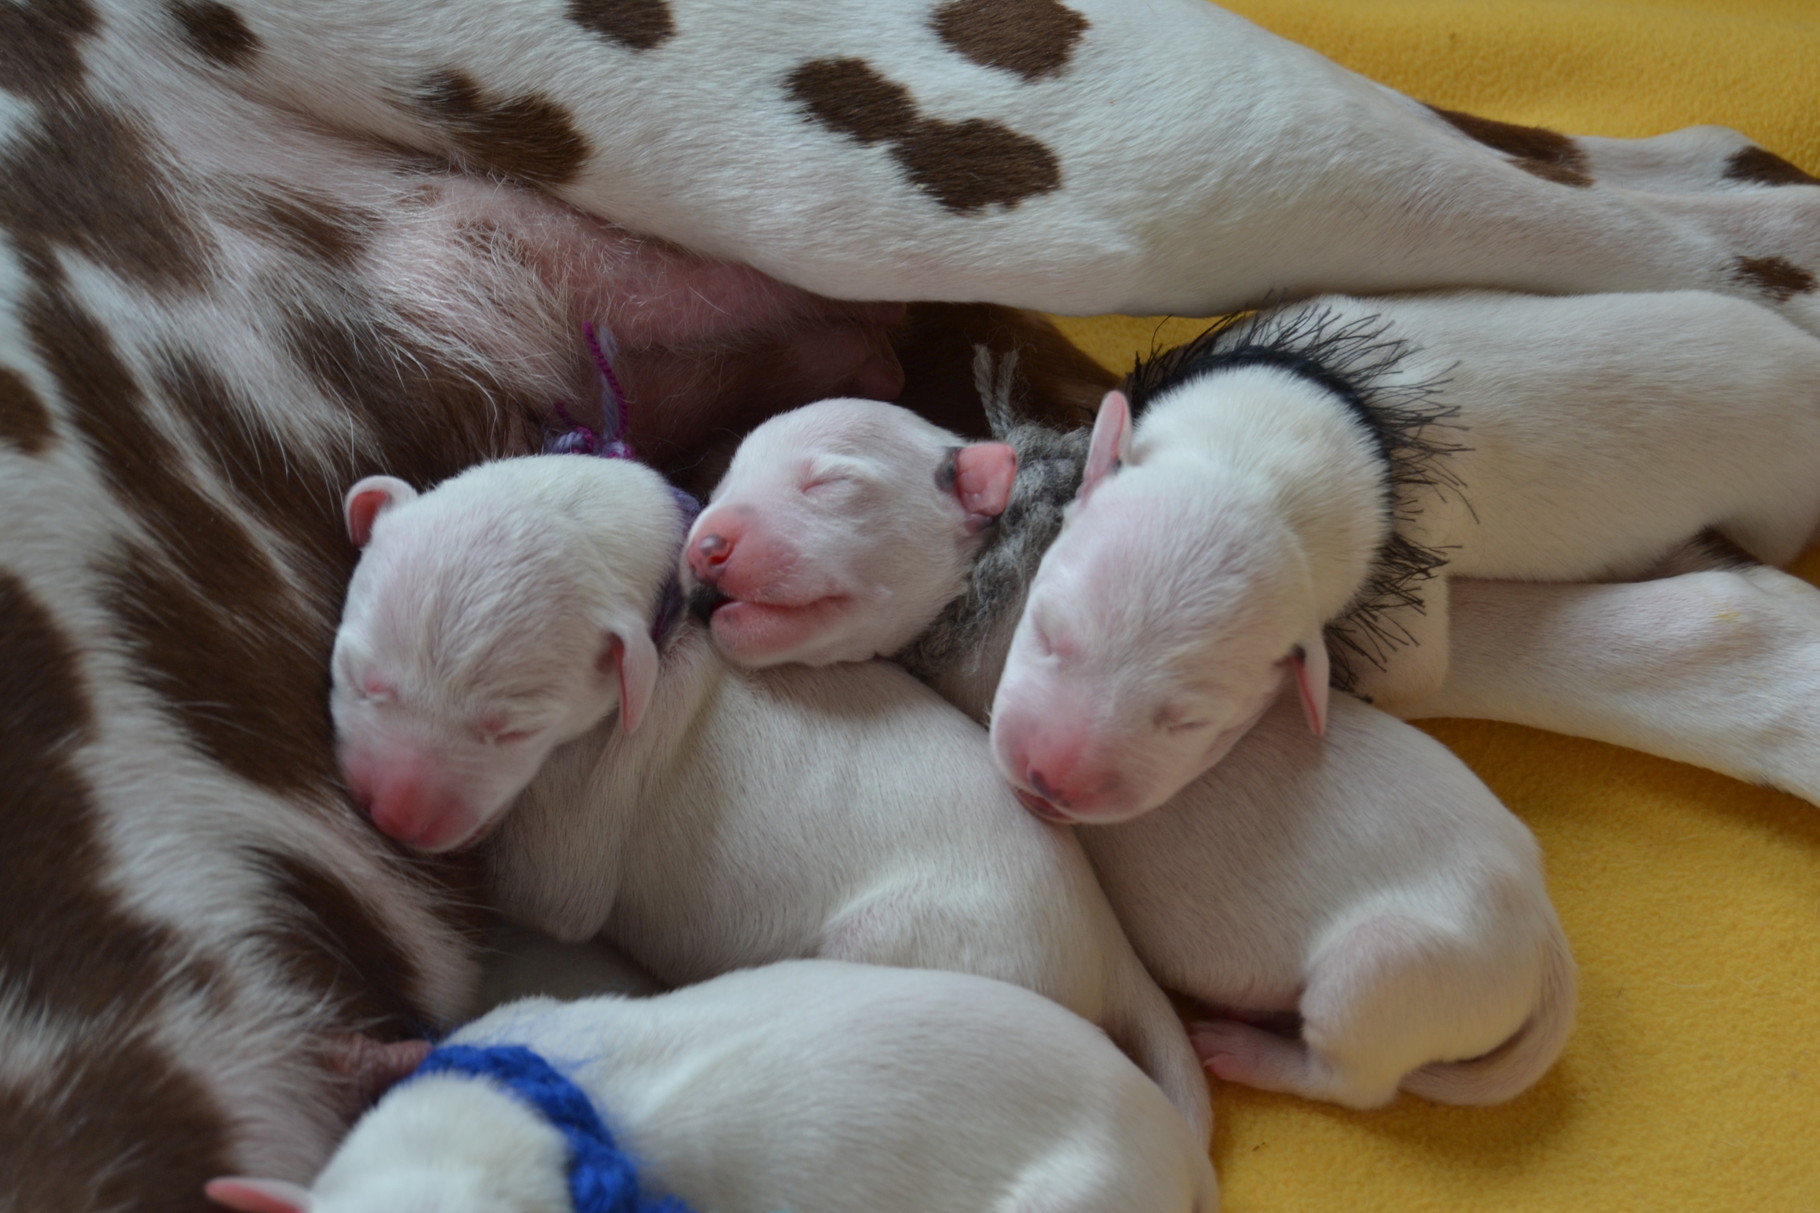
{"type": "Point", "coordinates": [1335, 462]}
{"type": "Point", "coordinates": [812, 1086]}
{"type": "Point", "coordinates": [1371, 884]}
{"type": "Point", "coordinates": [1708, 666]}
{"type": "Point", "coordinates": [845, 813]}
{"type": "Point", "coordinates": [451, 683]}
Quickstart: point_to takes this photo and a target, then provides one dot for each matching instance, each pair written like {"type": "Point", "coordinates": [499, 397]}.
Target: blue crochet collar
{"type": "Point", "coordinates": [602, 1178]}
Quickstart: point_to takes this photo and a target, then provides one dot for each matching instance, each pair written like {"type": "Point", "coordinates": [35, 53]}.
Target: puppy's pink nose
{"type": "Point", "coordinates": [406, 803]}
{"type": "Point", "coordinates": [1062, 770]}
{"type": "Point", "coordinates": [1042, 787]}
{"type": "Point", "coordinates": [709, 554]}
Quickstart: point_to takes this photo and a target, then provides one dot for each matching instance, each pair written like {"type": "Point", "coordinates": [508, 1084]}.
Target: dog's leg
{"type": "Point", "coordinates": [1111, 157]}
{"type": "Point", "coordinates": [1716, 668]}
{"type": "Point", "coordinates": [1385, 996]}
{"type": "Point", "coordinates": [1398, 654]}
{"type": "Point", "coordinates": [1694, 160]}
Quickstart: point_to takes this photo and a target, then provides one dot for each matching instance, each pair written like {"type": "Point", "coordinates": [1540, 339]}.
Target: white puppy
{"type": "Point", "coordinates": [1371, 887]}
{"type": "Point", "coordinates": [451, 682]}
{"type": "Point", "coordinates": [1708, 665]}
{"type": "Point", "coordinates": [810, 1086]}
{"type": "Point", "coordinates": [839, 530]}
{"type": "Point", "coordinates": [1331, 465]}
{"type": "Point", "coordinates": [846, 813]}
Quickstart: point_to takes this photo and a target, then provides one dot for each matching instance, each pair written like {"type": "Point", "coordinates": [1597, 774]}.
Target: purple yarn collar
{"type": "Point", "coordinates": [578, 439]}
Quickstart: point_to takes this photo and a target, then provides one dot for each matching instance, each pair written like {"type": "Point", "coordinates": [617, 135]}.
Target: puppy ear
{"type": "Point", "coordinates": [633, 657]}
{"type": "Point", "coordinates": [1111, 442]}
{"type": "Point", "coordinates": [1309, 663]}
{"type": "Point", "coordinates": [258, 1195]}
{"type": "Point", "coordinates": [369, 499]}
{"type": "Point", "coordinates": [983, 475]}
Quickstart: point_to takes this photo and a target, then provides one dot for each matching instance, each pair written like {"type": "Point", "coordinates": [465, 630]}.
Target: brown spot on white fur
{"type": "Point", "coordinates": [1033, 38]}
{"type": "Point", "coordinates": [89, 180]}
{"type": "Point", "coordinates": [336, 943]}
{"type": "Point", "coordinates": [147, 1136]}
{"type": "Point", "coordinates": [1761, 167]}
{"type": "Point", "coordinates": [139, 463]}
{"type": "Point", "coordinates": [1524, 143]}
{"type": "Point", "coordinates": [202, 627]}
{"type": "Point", "coordinates": [250, 701]}
{"type": "Point", "coordinates": [527, 136]}
{"type": "Point", "coordinates": [71, 956]}
{"type": "Point", "coordinates": [216, 31]}
{"type": "Point", "coordinates": [50, 902]}
{"type": "Point", "coordinates": [850, 96]}
{"type": "Point", "coordinates": [969, 166]}
{"type": "Point", "coordinates": [966, 166]}
{"type": "Point", "coordinates": [638, 25]}
{"type": "Point", "coordinates": [427, 417]}
{"type": "Point", "coordinates": [327, 232]}
{"type": "Point", "coordinates": [1560, 174]}
{"type": "Point", "coordinates": [293, 493]}
{"type": "Point", "coordinates": [24, 421]}
{"type": "Point", "coordinates": [1777, 277]}
{"type": "Point", "coordinates": [43, 44]}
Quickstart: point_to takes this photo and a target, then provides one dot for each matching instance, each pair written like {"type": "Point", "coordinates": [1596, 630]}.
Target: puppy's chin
{"type": "Point", "coordinates": [759, 634]}
{"type": "Point", "coordinates": [456, 833]}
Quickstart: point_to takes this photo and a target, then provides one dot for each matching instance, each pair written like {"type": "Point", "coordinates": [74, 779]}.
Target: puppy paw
{"type": "Point", "coordinates": [1237, 1052]}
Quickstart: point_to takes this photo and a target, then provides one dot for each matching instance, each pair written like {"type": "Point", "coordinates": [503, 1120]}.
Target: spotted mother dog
{"type": "Point", "coordinates": [249, 254]}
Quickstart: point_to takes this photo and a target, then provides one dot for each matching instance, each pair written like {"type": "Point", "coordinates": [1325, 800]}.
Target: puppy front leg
{"type": "Point", "coordinates": [1401, 654]}
{"type": "Point", "coordinates": [1717, 668]}
{"type": "Point", "coordinates": [1693, 160]}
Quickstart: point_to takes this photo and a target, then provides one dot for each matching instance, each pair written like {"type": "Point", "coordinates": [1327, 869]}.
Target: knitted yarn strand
{"type": "Point", "coordinates": [602, 1178]}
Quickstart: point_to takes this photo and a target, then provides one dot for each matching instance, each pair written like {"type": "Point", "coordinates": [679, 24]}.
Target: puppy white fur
{"type": "Point", "coordinates": [788, 574]}
{"type": "Point", "coordinates": [487, 623]}
{"type": "Point", "coordinates": [1708, 662]}
{"type": "Point", "coordinates": [846, 813]}
{"type": "Point", "coordinates": [1370, 885]}
{"type": "Point", "coordinates": [834, 1087]}
{"type": "Point", "coordinates": [1715, 666]}
{"type": "Point", "coordinates": [1591, 436]}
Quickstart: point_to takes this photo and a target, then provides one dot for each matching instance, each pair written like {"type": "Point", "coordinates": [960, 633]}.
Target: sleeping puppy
{"type": "Point", "coordinates": [1708, 662]}
{"type": "Point", "coordinates": [1369, 889]}
{"type": "Point", "coordinates": [834, 1087]}
{"type": "Point", "coordinates": [1318, 474]}
{"type": "Point", "coordinates": [511, 626]}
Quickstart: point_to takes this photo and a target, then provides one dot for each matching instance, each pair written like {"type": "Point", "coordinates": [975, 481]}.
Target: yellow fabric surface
{"type": "Point", "coordinates": [1692, 901]}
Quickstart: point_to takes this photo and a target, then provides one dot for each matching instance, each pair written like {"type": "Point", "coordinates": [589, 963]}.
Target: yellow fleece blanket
{"type": "Point", "coordinates": [1692, 901]}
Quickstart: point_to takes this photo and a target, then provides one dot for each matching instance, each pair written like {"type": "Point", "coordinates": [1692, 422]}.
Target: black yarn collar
{"type": "Point", "coordinates": [1355, 362]}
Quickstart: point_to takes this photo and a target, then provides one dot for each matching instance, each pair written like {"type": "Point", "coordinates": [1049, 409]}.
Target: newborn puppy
{"type": "Point", "coordinates": [845, 813]}
{"type": "Point", "coordinates": [1652, 665]}
{"type": "Point", "coordinates": [782, 573]}
{"type": "Point", "coordinates": [451, 683]}
{"type": "Point", "coordinates": [1329, 466]}
{"type": "Point", "coordinates": [834, 1087]}
{"type": "Point", "coordinates": [1369, 889]}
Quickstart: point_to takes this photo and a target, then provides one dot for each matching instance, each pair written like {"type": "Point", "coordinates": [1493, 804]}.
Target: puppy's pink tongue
{"type": "Point", "coordinates": [755, 630]}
